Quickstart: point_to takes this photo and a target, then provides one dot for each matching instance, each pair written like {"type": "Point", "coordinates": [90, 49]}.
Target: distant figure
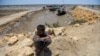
{"type": "Point", "coordinates": [41, 39]}
{"type": "Point", "coordinates": [44, 8]}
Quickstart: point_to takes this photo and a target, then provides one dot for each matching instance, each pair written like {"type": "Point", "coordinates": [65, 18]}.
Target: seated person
{"type": "Point", "coordinates": [41, 38]}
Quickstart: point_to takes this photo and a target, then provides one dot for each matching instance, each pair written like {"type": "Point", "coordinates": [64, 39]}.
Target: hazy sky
{"type": "Point", "coordinates": [19, 2]}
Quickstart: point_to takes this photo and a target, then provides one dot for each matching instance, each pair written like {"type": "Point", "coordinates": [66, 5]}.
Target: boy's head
{"type": "Point", "coordinates": [40, 29]}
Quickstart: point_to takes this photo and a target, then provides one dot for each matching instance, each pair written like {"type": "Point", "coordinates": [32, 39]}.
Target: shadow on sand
{"type": "Point", "coordinates": [45, 52]}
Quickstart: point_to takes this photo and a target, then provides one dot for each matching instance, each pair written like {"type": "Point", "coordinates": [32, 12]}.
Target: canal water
{"type": "Point", "coordinates": [41, 17]}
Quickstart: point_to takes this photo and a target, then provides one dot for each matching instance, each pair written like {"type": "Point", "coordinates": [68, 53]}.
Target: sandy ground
{"type": "Point", "coordinates": [79, 41]}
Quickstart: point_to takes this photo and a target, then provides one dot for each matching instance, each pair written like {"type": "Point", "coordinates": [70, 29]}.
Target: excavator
{"type": "Point", "coordinates": [59, 8]}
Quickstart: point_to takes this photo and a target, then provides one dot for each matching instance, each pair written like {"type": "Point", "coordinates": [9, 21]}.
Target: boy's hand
{"type": "Point", "coordinates": [47, 37]}
{"type": "Point", "coordinates": [37, 37]}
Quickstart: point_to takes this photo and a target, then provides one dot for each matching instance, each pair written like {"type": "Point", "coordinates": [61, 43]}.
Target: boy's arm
{"type": "Point", "coordinates": [47, 37]}
{"type": "Point", "coordinates": [37, 38]}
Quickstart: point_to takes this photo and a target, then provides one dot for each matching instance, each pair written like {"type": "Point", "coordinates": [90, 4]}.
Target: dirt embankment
{"type": "Point", "coordinates": [10, 21]}
{"type": "Point", "coordinates": [80, 12]}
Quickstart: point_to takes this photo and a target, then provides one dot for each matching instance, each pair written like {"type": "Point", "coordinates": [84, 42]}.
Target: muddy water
{"type": "Point", "coordinates": [49, 17]}
{"type": "Point", "coordinates": [41, 17]}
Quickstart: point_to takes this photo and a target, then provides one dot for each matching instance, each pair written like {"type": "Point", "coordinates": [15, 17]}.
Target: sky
{"type": "Point", "coordinates": [26, 2]}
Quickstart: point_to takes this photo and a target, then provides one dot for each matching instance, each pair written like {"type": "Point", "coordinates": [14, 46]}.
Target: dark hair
{"type": "Point", "coordinates": [41, 27]}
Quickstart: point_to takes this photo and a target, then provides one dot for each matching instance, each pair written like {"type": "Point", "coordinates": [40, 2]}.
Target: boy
{"type": "Point", "coordinates": [41, 38]}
